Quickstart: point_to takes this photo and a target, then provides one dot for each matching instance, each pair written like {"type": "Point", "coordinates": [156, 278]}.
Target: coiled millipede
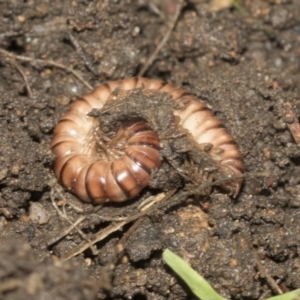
{"type": "Point", "coordinates": [123, 166]}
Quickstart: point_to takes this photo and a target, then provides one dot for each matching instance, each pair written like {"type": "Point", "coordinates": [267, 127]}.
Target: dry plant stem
{"type": "Point", "coordinates": [55, 205]}
{"type": "Point", "coordinates": [111, 219]}
{"type": "Point", "coordinates": [81, 54]}
{"type": "Point", "coordinates": [164, 39]}
{"type": "Point", "coordinates": [73, 224]}
{"type": "Point", "coordinates": [145, 202]}
{"type": "Point", "coordinates": [264, 274]}
{"type": "Point", "coordinates": [20, 70]}
{"type": "Point", "coordinates": [64, 216]}
{"type": "Point", "coordinates": [99, 236]}
{"type": "Point", "coordinates": [47, 63]}
{"type": "Point", "coordinates": [122, 241]}
{"type": "Point", "coordinates": [114, 227]}
{"type": "Point", "coordinates": [75, 207]}
{"type": "Point", "coordinates": [294, 126]}
{"type": "Point", "coordinates": [148, 204]}
{"type": "Point", "coordinates": [66, 231]}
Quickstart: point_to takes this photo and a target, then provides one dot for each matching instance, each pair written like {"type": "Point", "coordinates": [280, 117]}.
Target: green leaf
{"type": "Point", "coordinates": [199, 286]}
{"type": "Point", "coordinates": [294, 295]}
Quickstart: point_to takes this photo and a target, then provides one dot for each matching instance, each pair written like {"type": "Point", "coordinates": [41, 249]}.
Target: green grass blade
{"type": "Point", "coordinates": [199, 286]}
{"type": "Point", "coordinates": [294, 295]}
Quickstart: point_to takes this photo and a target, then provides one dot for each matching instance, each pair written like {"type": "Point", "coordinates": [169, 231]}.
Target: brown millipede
{"type": "Point", "coordinates": [122, 167]}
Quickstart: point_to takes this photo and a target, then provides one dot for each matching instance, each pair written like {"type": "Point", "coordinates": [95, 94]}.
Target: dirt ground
{"type": "Point", "coordinates": [243, 61]}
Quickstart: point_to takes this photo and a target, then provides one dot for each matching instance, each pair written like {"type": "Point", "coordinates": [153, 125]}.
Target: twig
{"type": "Point", "coordinates": [20, 70]}
{"type": "Point", "coordinates": [65, 216]}
{"type": "Point", "coordinates": [81, 54]}
{"type": "Point", "coordinates": [73, 224]}
{"type": "Point", "coordinates": [52, 197]}
{"type": "Point", "coordinates": [75, 207]}
{"type": "Point", "coordinates": [47, 62]}
{"type": "Point", "coordinates": [108, 218]}
{"type": "Point", "coordinates": [112, 228]}
{"type": "Point", "coordinates": [99, 236]}
{"type": "Point", "coordinates": [291, 121]}
{"type": "Point", "coordinates": [122, 241]}
{"type": "Point", "coordinates": [66, 231]}
{"type": "Point", "coordinates": [264, 274]}
{"type": "Point", "coordinates": [172, 24]}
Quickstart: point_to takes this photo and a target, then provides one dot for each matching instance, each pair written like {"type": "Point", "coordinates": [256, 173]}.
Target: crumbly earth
{"type": "Point", "coordinates": [243, 61]}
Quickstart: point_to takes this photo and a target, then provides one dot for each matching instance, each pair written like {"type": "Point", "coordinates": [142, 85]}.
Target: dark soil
{"type": "Point", "coordinates": [243, 61]}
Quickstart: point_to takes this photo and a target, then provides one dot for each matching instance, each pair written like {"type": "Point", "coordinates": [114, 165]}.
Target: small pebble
{"type": "Point", "coordinates": [38, 214]}
{"type": "Point", "coordinates": [3, 173]}
{"type": "Point", "coordinates": [15, 170]}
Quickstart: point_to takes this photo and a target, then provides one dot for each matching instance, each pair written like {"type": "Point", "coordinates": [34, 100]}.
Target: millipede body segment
{"type": "Point", "coordinates": [100, 167]}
